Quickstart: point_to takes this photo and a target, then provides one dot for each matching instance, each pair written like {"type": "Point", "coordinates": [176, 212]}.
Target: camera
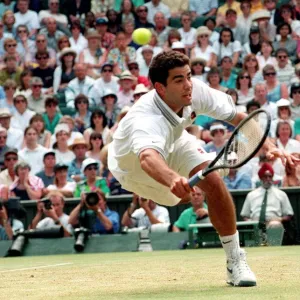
{"type": "Point", "coordinates": [81, 236]}
{"type": "Point", "coordinates": [92, 198]}
{"type": "Point", "coordinates": [47, 203]}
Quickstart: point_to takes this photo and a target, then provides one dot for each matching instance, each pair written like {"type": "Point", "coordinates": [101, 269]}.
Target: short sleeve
{"type": "Point", "coordinates": [164, 215]}
{"type": "Point", "coordinates": [237, 47]}
{"type": "Point", "coordinates": [216, 48]}
{"type": "Point", "coordinates": [286, 207]}
{"type": "Point", "coordinates": [246, 207]}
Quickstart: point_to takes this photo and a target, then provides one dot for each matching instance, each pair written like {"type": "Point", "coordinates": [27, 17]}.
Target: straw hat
{"type": "Point", "coordinates": [261, 14]}
{"type": "Point", "coordinates": [5, 113]}
{"type": "Point", "coordinates": [92, 33]}
{"type": "Point", "coordinates": [65, 51]}
{"type": "Point", "coordinates": [126, 75]}
{"type": "Point", "coordinates": [203, 30]}
{"type": "Point", "coordinates": [76, 142]}
{"type": "Point", "coordinates": [140, 88]}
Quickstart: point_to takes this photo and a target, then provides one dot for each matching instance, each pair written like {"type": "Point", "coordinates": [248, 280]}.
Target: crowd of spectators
{"type": "Point", "coordinates": [70, 71]}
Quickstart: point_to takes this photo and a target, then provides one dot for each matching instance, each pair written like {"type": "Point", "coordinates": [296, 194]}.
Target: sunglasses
{"type": "Point", "coordinates": [12, 45]}
{"type": "Point", "coordinates": [107, 71]}
{"type": "Point", "coordinates": [245, 77]}
{"type": "Point", "coordinates": [134, 68]}
{"type": "Point", "coordinates": [97, 138]}
{"type": "Point", "coordinates": [11, 158]}
{"type": "Point", "coordinates": [282, 56]}
{"type": "Point", "coordinates": [22, 31]}
{"type": "Point", "coordinates": [42, 57]}
{"type": "Point", "coordinates": [296, 92]}
{"type": "Point", "coordinates": [270, 74]}
{"type": "Point", "coordinates": [37, 86]}
{"type": "Point", "coordinates": [92, 168]}
{"type": "Point", "coordinates": [20, 101]}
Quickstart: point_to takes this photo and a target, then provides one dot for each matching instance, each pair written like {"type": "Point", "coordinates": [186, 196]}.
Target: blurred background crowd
{"type": "Point", "coordinates": [70, 71]}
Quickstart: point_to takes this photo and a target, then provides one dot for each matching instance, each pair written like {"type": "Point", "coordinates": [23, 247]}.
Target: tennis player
{"type": "Point", "coordinates": [152, 155]}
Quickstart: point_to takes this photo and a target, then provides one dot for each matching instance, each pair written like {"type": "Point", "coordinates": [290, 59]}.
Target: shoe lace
{"type": "Point", "coordinates": [241, 263]}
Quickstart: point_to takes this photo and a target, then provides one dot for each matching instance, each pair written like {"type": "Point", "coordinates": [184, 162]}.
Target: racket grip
{"type": "Point", "coordinates": [195, 179]}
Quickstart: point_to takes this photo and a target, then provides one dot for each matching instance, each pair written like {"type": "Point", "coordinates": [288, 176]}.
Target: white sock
{"type": "Point", "coordinates": [231, 245]}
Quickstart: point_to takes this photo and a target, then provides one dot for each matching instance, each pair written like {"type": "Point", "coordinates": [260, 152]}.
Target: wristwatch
{"type": "Point", "coordinates": [57, 222]}
{"type": "Point", "coordinates": [99, 210]}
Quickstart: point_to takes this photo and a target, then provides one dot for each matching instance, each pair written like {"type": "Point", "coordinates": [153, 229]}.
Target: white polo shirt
{"type": "Point", "coordinates": [30, 19]}
{"type": "Point", "coordinates": [150, 123]}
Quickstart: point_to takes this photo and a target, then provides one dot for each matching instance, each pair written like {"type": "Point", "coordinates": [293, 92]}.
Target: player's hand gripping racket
{"type": "Point", "coordinates": [244, 143]}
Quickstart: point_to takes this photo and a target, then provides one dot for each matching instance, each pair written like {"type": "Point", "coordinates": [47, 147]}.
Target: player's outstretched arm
{"type": "Point", "coordinates": [155, 166]}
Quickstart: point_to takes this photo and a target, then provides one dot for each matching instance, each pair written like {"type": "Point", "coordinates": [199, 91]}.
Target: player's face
{"type": "Point", "coordinates": [178, 91]}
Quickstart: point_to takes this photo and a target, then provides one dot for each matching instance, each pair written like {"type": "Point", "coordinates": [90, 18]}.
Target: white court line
{"type": "Point", "coordinates": [38, 267]}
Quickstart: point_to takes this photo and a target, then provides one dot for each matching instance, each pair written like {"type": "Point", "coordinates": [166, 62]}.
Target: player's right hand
{"type": "Point", "coordinates": [180, 187]}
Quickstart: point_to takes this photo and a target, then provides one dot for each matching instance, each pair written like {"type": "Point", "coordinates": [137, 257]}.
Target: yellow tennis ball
{"type": "Point", "coordinates": [141, 36]}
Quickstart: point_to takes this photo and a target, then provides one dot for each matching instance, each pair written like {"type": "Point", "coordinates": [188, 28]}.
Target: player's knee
{"type": "Point", "coordinates": [212, 182]}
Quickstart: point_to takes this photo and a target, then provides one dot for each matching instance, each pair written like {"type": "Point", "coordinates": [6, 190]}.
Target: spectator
{"type": "Point", "coordinates": [173, 36]}
{"type": "Point", "coordinates": [107, 39]}
{"type": "Point", "coordinates": [121, 54]}
{"type": "Point", "coordinates": [26, 186]}
{"type": "Point", "coordinates": [26, 16]}
{"type": "Point", "coordinates": [155, 6]}
{"type": "Point", "coordinates": [7, 176]}
{"type": "Point", "coordinates": [284, 139]}
{"type": "Point", "coordinates": [205, 8]}
{"type": "Point", "coordinates": [47, 174]}
{"type": "Point", "coordinates": [14, 135]}
{"type": "Point", "coordinates": [161, 29]}
{"type": "Point", "coordinates": [74, 10]}
{"type": "Point", "coordinates": [276, 90]}
{"type": "Point", "coordinates": [196, 214]}
{"type": "Point", "coordinates": [9, 87]}
{"type": "Point", "coordinates": [41, 44]}
{"type": "Point", "coordinates": [95, 146]}
{"type": "Point", "coordinates": [33, 153]}
{"type": "Point", "coordinates": [51, 116]}
{"type": "Point", "coordinates": [53, 216]}
{"type": "Point", "coordinates": [37, 99]}
{"type": "Point", "coordinates": [295, 105]}
{"type": "Point", "coordinates": [62, 152]}
{"type": "Point", "coordinates": [24, 45]}
{"type": "Point", "coordinates": [99, 8]}
{"type": "Point", "coordinates": [61, 182]}
{"type": "Point", "coordinates": [144, 62]}
{"type": "Point", "coordinates": [214, 79]}
{"type": "Point", "coordinates": [229, 4]}
{"type": "Point", "coordinates": [134, 69]}
{"type": "Point", "coordinates": [113, 22]}
{"type": "Point", "coordinates": [128, 28]}
{"type": "Point", "coordinates": [148, 215]}
{"type": "Point", "coordinates": [10, 69]}
{"type": "Point", "coordinates": [43, 71]}
{"type": "Point", "coordinates": [127, 12]}
{"type": "Point", "coordinates": [202, 48]}
{"type": "Point", "coordinates": [62, 43]}
{"type": "Point", "coordinates": [82, 84]}
{"type": "Point", "coordinates": [210, 23]}
{"type": "Point", "coordinates": [98, 123]}
{"type": "Point", "coordinates": [94, 55]}
{"type": "Point", "coordinates": [64, 73]}
{"type": "Point", "coordinates": [106, 221]}
{"type": "Point", "coordinates": [285, 72]}
{"type": "Point", "coordinates": [228, 76]}
{"type": "Point", "coordinates": [83, 115]}
{"type": "Point", "coordinates": [110, 107]}
{"type": "Point", "coordinates": [44, 136]}
{"type": "Point", "coordinates": [218, 133]}
{"type": "Point", "coordinates": [89, 21]}
{"type": "Point", "coordinates": [270, 5]}
{"type": "Point", "coordinates": [244, 87]}
{"type": "Point", "coordinates": [127, 81]}
{"type": "Point", "coordinates": [254, 44]}
{"type": "Point", "coordinates": [6, 5]}
{"type": "Point", "coordinates": [226, 46]}
{"type": "Point", "coordinates": [9, 21]}
{"type": "Point", "coordinates": [267, 204]}
{"type": "Point", "coordinates": [106, 81]}
{"type": "Point", "coordinates": [177, 7]}
{"type": "Point", "coordinates": [235, 97]}
{"type": "Point", "coordinates": [265, 57]}
{"type": "Point", "coordinates": [8, 226]}
{"type": "Point", "coordinates": [244, 20]}
{"type": "Point", "coordinates": [198, 68]}
{"type": "Point", "coordinates": [89, 168]}
{"type": "Point", "coordinates": [142, 16]}
{"type": "Point", "coordinates": [77, 40]}
{"type": "Point", "coordinates": [187, 32]}
{"type": "Point", "coordinates": [292, 174]}
{"type": "Point", "coordinates": [267, 30]}
{"type": "Point", "coordinates": [22, 115]}
{"type": "Point", "coordinates": [24, 87]}
{"type": "Point", "coordinates": [3, 146]}
{"type": "Point", "coordinates": [252, 106]}
{"type": "Point", "coordinates": [3, 37]}
{"type": "Point", "coordinates": [139, 91]}
{"type": "Point", "coordinates": [79, 148]}
{"type": "Point", "coordinates": [251, 66]}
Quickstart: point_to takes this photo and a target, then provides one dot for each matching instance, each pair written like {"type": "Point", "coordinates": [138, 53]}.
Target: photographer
{"type": "Point", "coordinates": [102, 220]}
{"type": "Point", "coordinates": [53, 211]}
{"type": "Point", "coordinates": [147, 215]}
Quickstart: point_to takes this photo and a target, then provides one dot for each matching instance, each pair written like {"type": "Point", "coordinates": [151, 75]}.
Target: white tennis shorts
{"type": "Point", "coordinates": [187, 154]}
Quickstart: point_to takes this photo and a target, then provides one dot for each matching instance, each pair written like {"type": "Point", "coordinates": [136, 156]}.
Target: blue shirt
{"type": "Point", "coordinates": [240, 182]}
{"type": "Point", "coordinates": [113, 216]}
{"type": "Point", "coordinates": [231, 82]}
{"type": "Point", "coordinates": [74, 169]}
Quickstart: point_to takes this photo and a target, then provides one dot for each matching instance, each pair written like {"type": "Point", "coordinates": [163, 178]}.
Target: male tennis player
{"type": "Point", "coordinates": [152, 155]}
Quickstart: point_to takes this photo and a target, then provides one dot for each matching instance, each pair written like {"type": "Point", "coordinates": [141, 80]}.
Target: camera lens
{"type": "Point", "coordinates": [92, 199]}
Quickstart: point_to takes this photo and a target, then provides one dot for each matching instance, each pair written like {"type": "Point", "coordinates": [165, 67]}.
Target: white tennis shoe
{"type": "Point", "coordinates": [238, 271]}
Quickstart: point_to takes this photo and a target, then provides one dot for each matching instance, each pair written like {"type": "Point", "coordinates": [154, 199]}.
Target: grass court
{"type": "Point", "coordinates": [182, 274]}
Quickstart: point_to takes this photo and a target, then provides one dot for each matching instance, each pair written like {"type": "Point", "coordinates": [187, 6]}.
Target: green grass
{"type": "Point", "coordinates": [188, 274]}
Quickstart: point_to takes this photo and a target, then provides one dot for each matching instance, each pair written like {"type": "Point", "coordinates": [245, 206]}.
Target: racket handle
{"type": "Point", "coordinates": [195, 179]}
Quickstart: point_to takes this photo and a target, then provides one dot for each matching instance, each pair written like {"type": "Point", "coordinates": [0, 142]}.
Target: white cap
{"type": "Point", "coordinates": [217, 126]}
{"type": "Point", "coordinates": [140, 88]}
{"type": "Point", "coordinates": [61, 127]}
{"type": "Point", "coordinates": [283, 102]}
{"type": "Point", "coordinates": [177, 45]}
{"type": "Point", "coordinates": [87, 162]}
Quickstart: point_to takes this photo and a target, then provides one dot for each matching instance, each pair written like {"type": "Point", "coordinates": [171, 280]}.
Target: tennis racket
{"type": "Point", "coordinates": [245, 141]}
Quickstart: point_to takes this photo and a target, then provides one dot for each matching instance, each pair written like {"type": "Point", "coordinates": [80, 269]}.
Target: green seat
{"type": "Point", "coordinates": [198, 22]}
{"type": "Point", "coordinates": [175, 22]}
{"type": "Point", "coordinates": [67, 111]}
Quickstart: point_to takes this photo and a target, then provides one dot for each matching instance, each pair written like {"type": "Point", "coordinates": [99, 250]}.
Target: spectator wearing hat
{"type": "Point", "coordinates": [36, 101]}
{"type": "Point", "coordinates": [3, 146]}
{"type": "Point", "coordinates": [107, 38]}
{"type": "Point", "coordinates": [32, 153]}
{"type": "Point", "coordinates": [295, 105]}
{"type": "Point", "coordinates": [79, 148]}
{"type": "Point", "coordinates": [134, 69]}
{"type": "Point", "coordinates": [110, 107]}
{"type": "Point", "coordinates": [145, 61]}
{"type": "Point", "coordinates": [64, 73]}
{"type": "Point", "coordinates": [139, 91]}
{"type": "Point", "coordinates": [121, 54]}
{"type": "Point", "coordinates": [127, 82]}
{"type": "Point", "coordinates": [52, 115]}
{"type": "Point", "coordinates": [89, 168]}
{"type": "Point", "coordinates": [285, 72]}
{"type": "Point", "coordinates": [198, 69]}
{"type": "Point", "coordinates": [61, 182]}
{"type": "Point", "coordinates": [47, 174]}
{"type": "Point", "coordinates": [83, 115]}
{"type": "Point", "coordinates": [8, 176]}
{"type": "Point", "coordinates": [267, 204]}
{"type": "Point", "coordinates": [26, 186]}
{"type": "Point", "coordinates": [82, 84]}
{"type": "Point", "coordinates": [218, 133]}
{"type": "Point", "coordinates": [94, 55]}
{"type": "Point", "coordinates": [267, 30]}
{"type": "Point", "coordinates": [253, 46]}
{"type": "Point", "coordinates": [106, 81]}
{"type": "Point", "coordinates": [14, 135]}
{"type": "Point", "coordinates": [22, 115]}
{"type": "Point", "coordinates": [141, 18]}
{"type": "Point", "coordinates": [283, 114]}
{"type": "Point", "coordinates": [7, 101]}
{"type": "Point", "coordinates": [202, 47]}
{"type": "Point", "coordinates": [10, 69]}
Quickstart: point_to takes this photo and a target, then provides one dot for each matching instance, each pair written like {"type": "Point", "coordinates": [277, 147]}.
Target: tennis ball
{"type": "Point", "coordinates": [141, 36]}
